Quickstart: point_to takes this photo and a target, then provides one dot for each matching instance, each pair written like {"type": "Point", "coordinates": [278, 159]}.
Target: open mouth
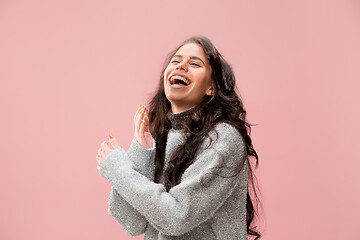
{"type": "Point", "coordinates": [179, 80]}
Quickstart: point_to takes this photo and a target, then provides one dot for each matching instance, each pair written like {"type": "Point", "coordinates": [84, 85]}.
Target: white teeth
{"type": "Point", "coordinates": [179, 78]}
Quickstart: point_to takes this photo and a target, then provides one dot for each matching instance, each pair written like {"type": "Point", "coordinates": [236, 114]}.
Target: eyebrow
{"type": "Point", "coordinates": [191, 57]}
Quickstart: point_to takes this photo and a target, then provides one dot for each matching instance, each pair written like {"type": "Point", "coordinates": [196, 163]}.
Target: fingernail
{"type": "Point", "coordinates": [143, 105]}
{"type": "Point", "coordinates": [142, 121]}
{"type": "Point", "coordinates": [144, 114]}
{"type": "Point", "coordinates": [140, 105]}
{"type": "Point", "coordinates": [141, 112]}
{"type": "Point", "coordinates": [111, 136]}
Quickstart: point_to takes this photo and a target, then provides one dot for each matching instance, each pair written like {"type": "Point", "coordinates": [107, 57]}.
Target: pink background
{"type": "Point", "coordinates": [73, 71]}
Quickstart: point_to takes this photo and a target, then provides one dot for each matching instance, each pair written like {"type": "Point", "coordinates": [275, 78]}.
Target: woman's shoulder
{"type": "Point", "coordinates": [226, 128]}
{"type": "Point", "coordinates": [226, 135]}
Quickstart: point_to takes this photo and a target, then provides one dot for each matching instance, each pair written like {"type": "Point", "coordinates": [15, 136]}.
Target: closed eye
{"type": "Point", "coordinates": [193, 64]}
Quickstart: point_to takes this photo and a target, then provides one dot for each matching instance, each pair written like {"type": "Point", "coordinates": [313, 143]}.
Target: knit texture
{"type": "Point", "coordinates": [209, 203]}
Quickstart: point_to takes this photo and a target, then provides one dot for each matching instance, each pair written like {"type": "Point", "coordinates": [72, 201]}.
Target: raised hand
{"type": "Point", "coordinates": [142, 132]}
{"type": "Point", "coordinates": [105, 149]}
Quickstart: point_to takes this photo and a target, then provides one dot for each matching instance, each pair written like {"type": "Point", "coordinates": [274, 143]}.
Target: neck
{"type": "Point", "coordinates": [178, 120]}
{"type": "Point", "coordinates": [179, 109]}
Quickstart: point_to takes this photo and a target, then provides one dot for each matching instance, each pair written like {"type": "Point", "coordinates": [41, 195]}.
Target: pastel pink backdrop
{"type": "Point", "coordinates": [74, 71]}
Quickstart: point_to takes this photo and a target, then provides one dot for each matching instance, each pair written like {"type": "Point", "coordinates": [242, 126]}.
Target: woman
{"type": "Point", "coordinates": [185, 175]}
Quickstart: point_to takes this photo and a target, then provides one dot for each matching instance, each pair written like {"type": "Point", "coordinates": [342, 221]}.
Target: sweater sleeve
{"type": "Point", "coordinates": [129, 218]}
{"type": "Point", "coordinates": [143, 158]}
{"type": "Point", "coordinates": [204, 186]}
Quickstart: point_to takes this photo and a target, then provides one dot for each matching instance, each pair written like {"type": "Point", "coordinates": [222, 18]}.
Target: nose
{"type": "Point", "coordinates": [181, 66]}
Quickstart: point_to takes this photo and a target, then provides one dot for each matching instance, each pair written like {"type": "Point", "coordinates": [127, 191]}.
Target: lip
{"type": "Point", "coordinates": [178, 74]}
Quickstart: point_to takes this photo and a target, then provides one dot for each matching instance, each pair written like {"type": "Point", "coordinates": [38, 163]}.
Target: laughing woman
{"type": "Point", "coordinates": [187, 173]}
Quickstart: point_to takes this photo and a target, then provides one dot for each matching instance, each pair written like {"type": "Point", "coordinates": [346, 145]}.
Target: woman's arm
{"type": "Point", "coordinates": [143, 158]}
{"type": "Point", "coordinates": [126, 215]}
{"type": "Point", "coordinates": [129, 218]}
{"type": "Point", "coordinates": [189, 203]}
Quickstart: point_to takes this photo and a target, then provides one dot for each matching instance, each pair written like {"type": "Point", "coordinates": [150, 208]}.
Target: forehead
{"type": "Point", "coordinates": [192, 49]}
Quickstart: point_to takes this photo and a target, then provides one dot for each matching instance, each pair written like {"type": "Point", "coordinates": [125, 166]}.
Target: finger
{"type": "Point", "coordinates": [114, 143]}
{"type": "Point", "coordinates": [101, 155]}
{"type": "Point", "coordinates": [142, 130]}
{"type": "Point", "coordinates": [105, 153]}
{"type": "Point", "coordinates": [142, 113]}
{"type": "Point", "coordinates": [138, 120]}
{"type": "Point", "coordinates": [105, 145]}
{"type": "Point", "coordinates": [146, 123]}
{"type": "Point", "coordinates": [140, 109]}
{"type": "Point", "coordinates": [99, 162]}
{"type": "Point", "coordinates": [137, 112]}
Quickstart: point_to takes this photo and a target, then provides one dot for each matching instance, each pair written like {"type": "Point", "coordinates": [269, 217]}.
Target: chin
{"type": "Point", "coordinates": [174, 100]}
{"type": "Point", "coordinates": [173, 96]}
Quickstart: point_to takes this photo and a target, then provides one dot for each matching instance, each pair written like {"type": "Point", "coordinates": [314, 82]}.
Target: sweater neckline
{"type": "Point", "coordinates": [177, 119]}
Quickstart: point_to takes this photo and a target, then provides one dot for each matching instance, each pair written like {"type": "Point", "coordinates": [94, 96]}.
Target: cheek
{"type": "Point", "coordinates": [166, 72]}
{"type": "Point", "coordinates": [203, 79]}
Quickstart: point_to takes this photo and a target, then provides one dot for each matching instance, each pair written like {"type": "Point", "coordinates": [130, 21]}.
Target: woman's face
{"type": "Point", "coordinates": [187, 78]}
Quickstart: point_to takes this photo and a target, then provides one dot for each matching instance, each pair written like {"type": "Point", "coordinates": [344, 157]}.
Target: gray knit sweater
{"type": "Point", "coordinates": [209, 203]}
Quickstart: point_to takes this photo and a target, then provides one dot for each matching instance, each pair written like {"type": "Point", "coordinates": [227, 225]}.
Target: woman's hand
{"type": "Point", "coordinates": [142, 132]}
{"type": "Point", "coordinates": [105, 149]}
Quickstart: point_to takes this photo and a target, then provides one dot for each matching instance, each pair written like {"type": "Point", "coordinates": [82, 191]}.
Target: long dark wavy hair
{"type": "Point", "coordinates": [223, 106]}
